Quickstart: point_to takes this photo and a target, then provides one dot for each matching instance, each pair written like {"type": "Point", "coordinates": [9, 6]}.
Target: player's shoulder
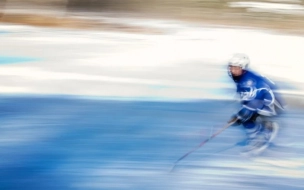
{"type": "Point", "coordinates": [253, 74]}
{"type": "Point", "coordinates": [250, 78]}
{"type": "Point", "coordinates": [257, 77]}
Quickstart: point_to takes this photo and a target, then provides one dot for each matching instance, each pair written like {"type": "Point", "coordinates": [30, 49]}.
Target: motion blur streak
{"type": "Point", "coordinates": [109, 94]}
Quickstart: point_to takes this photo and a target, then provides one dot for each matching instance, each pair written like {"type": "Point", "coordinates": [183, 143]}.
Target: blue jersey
{"type": "Point", "coordinates": [258, 93]}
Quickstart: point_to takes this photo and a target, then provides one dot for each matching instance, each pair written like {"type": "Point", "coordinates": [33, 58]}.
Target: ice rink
{"type": "Point", "coordinates": [108, 110]}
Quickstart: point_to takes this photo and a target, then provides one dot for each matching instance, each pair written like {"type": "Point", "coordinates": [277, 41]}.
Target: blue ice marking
{"type": "Point", "coordinates": [4, 32]}
{"type": "Point", "coordinates": [10, 60]}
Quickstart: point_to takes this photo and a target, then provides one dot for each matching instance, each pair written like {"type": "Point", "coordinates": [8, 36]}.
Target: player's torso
{"type": "Point", "coordinates": [249, 86]}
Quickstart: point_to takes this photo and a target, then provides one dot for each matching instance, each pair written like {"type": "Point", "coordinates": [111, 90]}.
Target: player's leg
{"type": "Point", "coordinates": [257, 139]}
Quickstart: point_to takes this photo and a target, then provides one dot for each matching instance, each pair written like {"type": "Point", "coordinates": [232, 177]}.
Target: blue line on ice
{"type": "Point", "coordinates": [11, 60]}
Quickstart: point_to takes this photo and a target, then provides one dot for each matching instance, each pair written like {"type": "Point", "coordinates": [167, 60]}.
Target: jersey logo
{"type": "Point", "coordinates": [249, 83]}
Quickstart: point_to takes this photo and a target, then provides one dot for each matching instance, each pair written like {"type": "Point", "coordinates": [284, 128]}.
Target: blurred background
{"type": "Point", "coordinates": [285, 15]}
{"type": "Point", "coordinates": [108, 94]}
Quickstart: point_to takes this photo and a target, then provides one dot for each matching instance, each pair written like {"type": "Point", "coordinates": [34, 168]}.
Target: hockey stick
{"type": "Point", "coordinates": [204, 142]}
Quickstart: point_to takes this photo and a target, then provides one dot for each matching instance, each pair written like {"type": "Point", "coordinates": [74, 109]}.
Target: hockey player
{"type": "Point", "coordinates": [260, 103]}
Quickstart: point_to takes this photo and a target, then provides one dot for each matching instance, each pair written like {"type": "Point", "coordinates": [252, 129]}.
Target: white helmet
{"type": "Point", "coordinates": [239, 60]}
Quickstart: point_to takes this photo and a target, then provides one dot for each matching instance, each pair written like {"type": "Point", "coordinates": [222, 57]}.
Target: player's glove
{"type": "Point", "coordinates": [242, 116]}
{"type": "Point", "coordinates": [236, 120]}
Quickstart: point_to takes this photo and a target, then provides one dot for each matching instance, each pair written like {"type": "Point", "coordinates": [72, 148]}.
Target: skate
{"type": "Point", "coordinates": [262, 139]}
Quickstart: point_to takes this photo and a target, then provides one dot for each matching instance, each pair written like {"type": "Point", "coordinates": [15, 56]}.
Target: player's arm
{"type": "Point", "coordinates": [263, 99]}
{"type": "Point", "coordinates": [243, 115]}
